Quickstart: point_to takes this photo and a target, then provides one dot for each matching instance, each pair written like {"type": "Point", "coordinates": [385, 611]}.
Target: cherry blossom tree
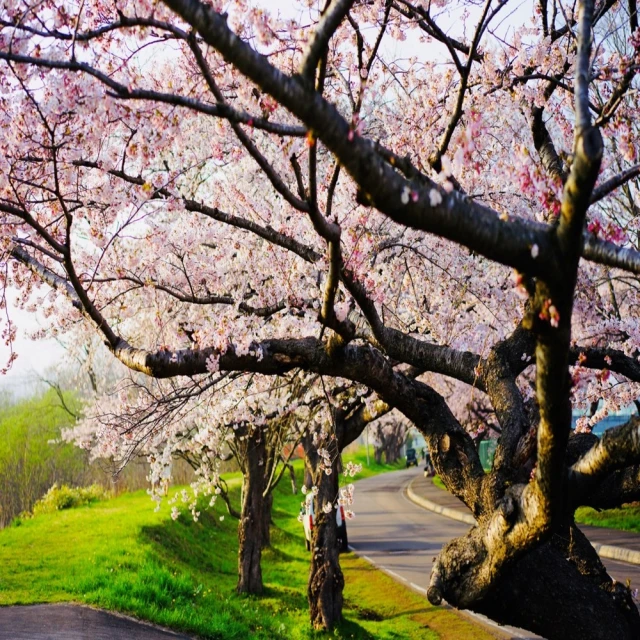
{"type": "Point", "coordinates": [388, 194]}
{"type": "Point", "coordinates": [388, 437]}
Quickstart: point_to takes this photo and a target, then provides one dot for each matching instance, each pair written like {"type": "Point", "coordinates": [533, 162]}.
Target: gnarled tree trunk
{"type": "Point", "coordinates": [561, 590]}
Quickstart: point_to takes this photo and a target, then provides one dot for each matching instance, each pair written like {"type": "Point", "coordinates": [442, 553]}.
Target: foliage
{"type": "Point", "coordinates": [32, 455]}
{"type": "Point", "coordinates": [121, 555]}
{"type": "Point", "coordinates": [65, 497]}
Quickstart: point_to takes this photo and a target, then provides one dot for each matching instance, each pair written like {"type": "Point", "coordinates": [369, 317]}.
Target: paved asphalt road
{"type": "Point", "coordinates": [402, 538]}
{"type": "Point", "coordinates": [73, 622]}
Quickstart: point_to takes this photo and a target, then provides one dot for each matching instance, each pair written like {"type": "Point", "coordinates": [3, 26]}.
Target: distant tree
{"type": "Point", "coordinates": [33, 455]}
{"type": "Point", "coordinates": [388, 438]}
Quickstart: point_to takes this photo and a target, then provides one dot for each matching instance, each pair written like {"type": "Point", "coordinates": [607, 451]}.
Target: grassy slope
{"type": "Point", "coordinates": [121, 555]}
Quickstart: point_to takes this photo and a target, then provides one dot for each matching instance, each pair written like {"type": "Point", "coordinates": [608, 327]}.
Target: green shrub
{"type": "Point", "coordinates": [65, 497]}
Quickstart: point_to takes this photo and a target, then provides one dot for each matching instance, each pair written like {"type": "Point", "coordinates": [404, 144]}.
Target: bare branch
{"type": "Point", "coordinates": [612, 184]}
{"type": "Point", "coordinates": [329, 23]}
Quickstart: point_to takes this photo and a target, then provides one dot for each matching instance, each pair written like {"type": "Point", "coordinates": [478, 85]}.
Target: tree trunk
{"type": "Point", "coordinates": [393, 452]}
{"type": "Point", "coordinates": [267, 507]}
{"type": "Point", "coordinates": [251, 526]}
{"type": "Point", "coordinates": [326, 581]}
{"type": "Point", "coordinates": [561, 591]}
{"type": "Point", "coordinates": [377, 455]}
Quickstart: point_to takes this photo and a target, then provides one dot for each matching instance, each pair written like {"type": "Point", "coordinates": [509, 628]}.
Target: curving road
{"type": "Point", "coordinates": [402, 538]}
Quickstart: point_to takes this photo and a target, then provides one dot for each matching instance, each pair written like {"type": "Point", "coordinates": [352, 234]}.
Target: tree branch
{"type": "Point", "coordinates": [618, 447]}
{"type": "Point", "coordinates": [328, 25]}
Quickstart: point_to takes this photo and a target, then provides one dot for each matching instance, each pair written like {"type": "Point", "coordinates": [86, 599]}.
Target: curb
{"type": "Point", "coordinates": [617, 553]}
{"type": "Point", "coordinates": [603, 550]}
{"type": "Point", "coordinates": [454, 514]}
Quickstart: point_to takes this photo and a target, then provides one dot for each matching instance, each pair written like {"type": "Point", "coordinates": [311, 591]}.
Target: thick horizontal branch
{"type": "Point", "coordinates": [610, 254]}
{"type": "Point", "coordinates": [614, 360]}
{"type": "Point", "coordinates": [615, 490]}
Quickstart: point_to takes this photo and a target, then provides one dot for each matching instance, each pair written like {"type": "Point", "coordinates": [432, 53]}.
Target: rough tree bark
{"type": "Point", "coordinates": [259, 452]}
{"type": "Point", "coordinates": [252, 520]}
{"type": "Point", "coordinates": [555, 590]}
{"type": "Point", "coordinates": [326, 581]}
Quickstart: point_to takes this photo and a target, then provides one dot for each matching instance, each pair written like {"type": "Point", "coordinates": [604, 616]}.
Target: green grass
{"type": "Point", "coordinates": [360, 457]}
{"type": "Point", "coordinates": [121, 555]}
{"type": "Point", "coordinates": [627, 518]}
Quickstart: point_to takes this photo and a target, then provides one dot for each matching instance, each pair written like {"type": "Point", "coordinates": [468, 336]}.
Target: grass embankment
{"type": "Point", "coordinates": [627, 518]}
{"type": "Point", "coordinates": [120, 555]}
{"type": "Point", "coordinates": [373, 468]}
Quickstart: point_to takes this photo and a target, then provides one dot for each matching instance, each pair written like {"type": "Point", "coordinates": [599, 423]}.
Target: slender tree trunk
{"type": "Point", "coordinates": [326, 581]}
{"type": "Point", "coordinates": [292, 475]}
{"type": "Point", "coordinates": [251, 526]}
{"type": "Point", "coordinates": [377, 455]}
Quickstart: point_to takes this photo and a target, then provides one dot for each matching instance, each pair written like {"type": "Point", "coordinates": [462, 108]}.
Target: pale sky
{"type": "Point", "coordinates": [34, 356]}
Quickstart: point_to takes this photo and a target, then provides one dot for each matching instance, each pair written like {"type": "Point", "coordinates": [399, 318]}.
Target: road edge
{"type": "Point", "coordinates": [622, 554]}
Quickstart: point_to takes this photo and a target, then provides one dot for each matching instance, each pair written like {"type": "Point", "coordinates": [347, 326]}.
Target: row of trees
{"type": "Point", "coordinates": [415, 205]}
{"type": "Point", "coordinates": [261, 424]}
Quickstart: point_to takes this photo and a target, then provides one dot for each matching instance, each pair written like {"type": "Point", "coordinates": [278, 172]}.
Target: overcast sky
{"type": "Point", "coordinates": [35, 356]}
